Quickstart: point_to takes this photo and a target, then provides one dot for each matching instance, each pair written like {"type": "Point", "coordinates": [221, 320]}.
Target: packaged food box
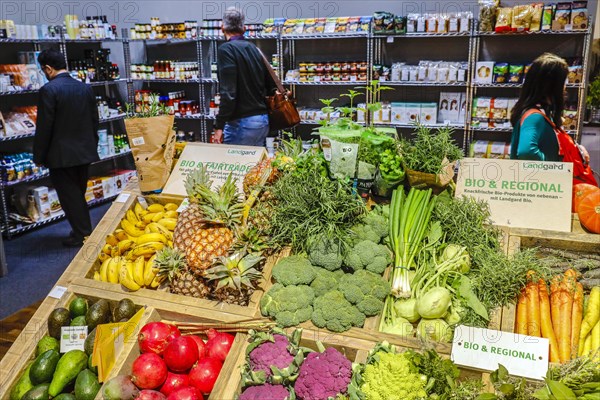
{"type": "Point", "coordinates": [397, 113]}
{"type": "Point", "coordinates": [570, 120]}
{"type": "Point", "coordinates": [481, 111]}
{"type": "Point", "coordinates": [353, 24]}
{"type": "Point", "coordinates": [412, 112]}
{"type": "Point", "coordinates": [383, 22]}
{"type": "Point", "coordinates": [449, 107]}
{"type": "Point", "coordinates": [109, 187]}
{"type": "Point", "coordinates": [44, 210]}
{"type": "Point", "coordinates": [498, 112]}
{"type": "Point", "coordinates": [548, 16]}
{"type": "Point", "coordinates": [428, 113]}
{"type": "Point", "coordinates": [579, 15]}
{"type": "Point", "coordinates": [55, 206]}
{"type": "Point", "coordinates": [500, 73]}
{"type": "Point", "coordinates": [40, 195]}
{"type": "Point", "coordinates": [330, 25]}
{"type": "Point", "coordinates": [562, 16]}
{"type": "Point", "coordinates": [365, 23]}
{"type": "Point", "coordinates": [484, 72]}
{"type": "Point", "coordinates": [463, 108]}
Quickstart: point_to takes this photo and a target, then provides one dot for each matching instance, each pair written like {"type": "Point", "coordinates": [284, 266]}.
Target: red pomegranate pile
{"type": "Point", "coordinates": [177, 367]}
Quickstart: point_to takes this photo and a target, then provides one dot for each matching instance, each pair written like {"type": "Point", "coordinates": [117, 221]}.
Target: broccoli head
{"type": "Point", "coordinates": [323, 375]}
{"type": "Point", "coordinates": [373, 227]}
{"type": "Point", "coordinates": [368, 255]}
{"type": "Point", "coordinates": [294, 270]}
{"type": "Point", "coordinates": [366, 290]}
{"type": "Point", "coordinates": [326, 281]}
{"type": "Point", "coordinates": [289, 305]}
{"type": "Point", "coordinates": [326, 254]}
{"type": "Point", "coordinates": [334, 312]}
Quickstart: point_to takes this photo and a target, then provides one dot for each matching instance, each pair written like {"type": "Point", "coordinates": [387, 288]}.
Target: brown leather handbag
{"type": "Point", "coordinates": [282, 108]}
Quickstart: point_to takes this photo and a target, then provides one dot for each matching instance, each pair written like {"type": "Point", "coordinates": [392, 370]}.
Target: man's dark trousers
{"type": "Point", "coordinates": [70, 184]}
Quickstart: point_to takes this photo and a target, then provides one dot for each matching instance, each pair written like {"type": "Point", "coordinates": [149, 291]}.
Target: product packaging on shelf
{"type": "Point", "coordinates": [449, 107]}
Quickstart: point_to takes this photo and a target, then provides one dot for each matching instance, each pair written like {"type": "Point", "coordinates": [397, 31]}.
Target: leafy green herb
{"type": "Point", "coordinates": [430, 152]}
{"type": "Point", "coordinates": [442, 373]}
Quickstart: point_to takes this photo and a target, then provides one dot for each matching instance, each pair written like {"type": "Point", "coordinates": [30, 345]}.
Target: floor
{"type": "Point", "coordinates": [11, 326]}
{"type": "Point", "coordinates": [35, 262]}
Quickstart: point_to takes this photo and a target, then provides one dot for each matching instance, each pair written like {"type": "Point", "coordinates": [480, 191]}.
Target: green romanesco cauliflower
{"type": "Point", "coordinates": [326, 254]}
{"type": "Point", "coordinates": [391, 378]}
{"type": "Point", "coordinates": [288, 305]}
{"type": "Point", "coordinates": [334, 312]}
{"type": "Point", "coordinates": [294, 270]}
{"type": "Point", "coordinates": [373, 227]}
{"type": "Point", "coordinates": [326, 281]}
{"type": "Point", "coordinates": [368, 255]}
{"type": "Point", "coordinates": [366, 290]}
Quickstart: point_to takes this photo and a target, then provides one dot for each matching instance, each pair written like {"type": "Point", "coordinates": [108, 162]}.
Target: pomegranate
{"type": "Point", "coordinates": [181, 354]}
{"type": "Point", "coordinates": [155, 336]}
{"type": "Point", "coordinates": [174, 381]}
{"type": "Point", "coordinates": [201, 346]}
{"type": "Point", "coordinates": [186, 393]}
{"type": "Point", "coordinates": [149, 371]}
{"type": "Point", "coordinates": [205, 373]}
{"type": "Point", "coordinates": [150, 395]}
{"type": "Point", "coordinates": [218, 344]}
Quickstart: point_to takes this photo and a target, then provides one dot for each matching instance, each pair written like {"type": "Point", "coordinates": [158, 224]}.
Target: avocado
{"type": "Point", "coordinates": [65, 396]}
{"type": "Point", "coordinates": [69, 366]}
{"type": "Point", "coordinates": [78, 307]}
{"type": "Point", "coordinates": [47, 343]}
{"type": "Point", "coordinates": [92, 368]}
{"type": "Point", "coordinates": [58, 318]}
{"type": "Point", "coordinates": [39, 392]}
{"type": "Point", "coordinates": [98, 313]}
{"type": "Point", "coordinates": [86, 385]}
{"type": "Point", "coordinates": [79, 321]}
{"type": "Point", "coordinates": [88, 345]}
{"type": "Point", "coordinates": [43, 367]}
{"type": "Point", "coordinates": [124, 309]}
{"type": "Point", "coordinates": [22, 386]}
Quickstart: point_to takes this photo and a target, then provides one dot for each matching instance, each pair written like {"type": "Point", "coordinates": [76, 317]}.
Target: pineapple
{"type": "Point", "coordinates": [190, 218]}
{"type": "Point", "coordinates": [254, 176]}
{"type": "Point", "coordinates": [261, 213]}
{"type": "Point", "coordinates": [172, 266]}
{"type": "Point", "coordinates": [250, 241]}
{"type": "Point", "coordinates": [214, 236]}
{"type": "Point", "coordinates": [235, 276]}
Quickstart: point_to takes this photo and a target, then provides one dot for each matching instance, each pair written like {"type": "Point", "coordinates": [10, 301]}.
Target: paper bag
{"type": "Point", "coordinates": [152, 142]}
{"type": "Point", "coordinates": [437, 183]}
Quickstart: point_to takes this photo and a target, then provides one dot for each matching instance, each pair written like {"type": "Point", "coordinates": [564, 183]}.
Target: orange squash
{"type": "Point", "coordinates": [589, 212]}
{"type": "Point", "coordinates": [580, 191]}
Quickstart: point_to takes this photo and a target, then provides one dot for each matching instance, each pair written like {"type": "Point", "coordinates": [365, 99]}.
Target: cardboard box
{"type": "Point", "coordinates": [397, 112]}
{"type": "Point", "coordinates": [44, 210]}
{"type": "Point", "coordinates": [481, 111]}
{"type": "Point", "coordinates": [109, 188]}
{"type": "Point", "coordinates": [462, 112]}
{"type": "Point", "coordinates": [89, 194]}
{"type": "Point", "coordinates": [499, 113]}
{"type": "Point", "coordinates": [484, 71]}
{"type": "Point", "coordinates": [55, 206]}
{"type": "Point", "coordinates": [40, 195]}
{"type": "Point", "coordinates": [428, 113]}
{"type": "Point", "coordinates": [412, 112]}
{"type": "Point", "coordinates": [449, 107]}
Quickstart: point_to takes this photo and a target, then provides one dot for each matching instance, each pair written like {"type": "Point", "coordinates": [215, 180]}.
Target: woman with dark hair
{"type": "Point", "coordinates": [540, 106]}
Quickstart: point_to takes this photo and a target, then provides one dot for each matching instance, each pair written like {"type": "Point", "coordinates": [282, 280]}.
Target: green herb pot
{"type": "Point", "coordinates": [383, 187]}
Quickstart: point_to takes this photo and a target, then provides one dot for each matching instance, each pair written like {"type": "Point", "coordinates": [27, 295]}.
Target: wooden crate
{"type": "Point", "coordinates": [131, 351]}
{"type": "Point", "coordinates": [355, 349]}
{"type": "Point", "coordinates": [162, 299]}
{"type": "Point", "coordinates": [23, 349]}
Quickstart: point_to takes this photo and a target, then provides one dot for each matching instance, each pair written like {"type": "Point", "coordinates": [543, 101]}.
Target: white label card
{"type": "Point", "coordinates": [122, 198]}
{"type": "Point", "coordinates": [485, 349]}
{"type": "Point", "coordinates": [390, 39]}
{"type": "Point", "coordinates": [72, 338]}
{"type": "Point", "coordinates": [184, 204]}
{"type": "Point", "coordinates": [57, 292]}
{"type": "Point", "coordinates": [138, 141]}
{"type": "Point", "coordinates": [142, 202]}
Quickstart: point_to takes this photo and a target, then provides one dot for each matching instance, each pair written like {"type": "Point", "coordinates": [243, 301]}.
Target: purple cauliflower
{"type": "Point", "coordinates": [271, 354]}
{"type": "Point", "coordinates": [265, 392]}
{"type": "Point", "coordinates": [323, 375]}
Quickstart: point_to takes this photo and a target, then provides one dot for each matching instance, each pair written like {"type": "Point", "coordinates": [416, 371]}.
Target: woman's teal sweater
{"type": "Point", "coordinates": [535, 139]}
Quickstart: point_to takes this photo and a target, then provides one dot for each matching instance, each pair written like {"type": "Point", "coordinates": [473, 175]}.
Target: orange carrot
{"type": "Point", "coordinates": [533, 310]}
{"type": "Point", "coordinates": [576, 319]}
{"type": "Point", "coordinates": [521, 323]}
{"type": "Point", "coordinates": [554, 308]}
{"type": "Point", "coordinates": [547, 329]}
{"type": "Point", "coordinates": [566, 295]}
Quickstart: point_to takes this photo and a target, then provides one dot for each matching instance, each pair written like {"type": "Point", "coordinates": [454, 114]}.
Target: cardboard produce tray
{"type": "Point", "coordinates": [159, 298]}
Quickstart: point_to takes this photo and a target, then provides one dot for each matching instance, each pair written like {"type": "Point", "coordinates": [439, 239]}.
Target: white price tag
{"type": "Point", "coordinates": [353, 78]}
{"type": "Point", "coordinates": [390, 39]}
{"type": "Point", "coordinates": [122, 198]}
{"type": "Point", "coordinates": [317, 79]}
{"type": "Point", "coordinates": [57, 292]}
{"type": "Point", "coordinates": [138, 141]}
{"type": "Point", "coordinates": [568, 27]}
{"type": "Point", "coordinates": [72, 338]}
{"type": "Point", "coordinates": [142, 202]}
{"type": "Point", "coordinates": [184, 204]}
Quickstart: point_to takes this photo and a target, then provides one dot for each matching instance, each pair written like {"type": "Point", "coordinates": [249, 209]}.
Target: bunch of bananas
{"type": "Point", "coordinates": [125, 256]}
{"type": "Point", "coordinates": [133, 275]}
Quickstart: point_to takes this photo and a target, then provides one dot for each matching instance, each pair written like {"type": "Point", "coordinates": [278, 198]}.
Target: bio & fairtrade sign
{"type": "Point", "coordinates": [521, 194]}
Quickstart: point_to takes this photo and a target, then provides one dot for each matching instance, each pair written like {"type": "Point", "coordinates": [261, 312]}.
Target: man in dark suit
{"type": "Point", "coordinates": [66, 140]}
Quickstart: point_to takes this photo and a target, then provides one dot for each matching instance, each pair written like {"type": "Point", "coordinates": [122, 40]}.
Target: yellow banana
{"type": "Point", "coordinates": [111, 239]}
{"type": "Point", "coordinates": [148, 217]}
{"type": "Point", "coordinates": [104, 270]}
{"type": "Point", "coordinates": [171, 214]}
{"type": "Point", "coordinates": [147, 230]}
{"type": "Point", "coordinates": [131, 217]}
{"type": "Point", "coordinates": [170, 244]}
{"type": "Point", "coordinates": [124, 245]}
{"type": "Point", "coordinates": [149, 271]}
{"type": "Point", "coordinates": [139, 210]}
{"type": "Point", "coordinates": [171, 207]}
{"type": "Point", "coordinates": [103, 257]}
{"type": "Point", "coordinates": [158, 216]}
{"type": "Point", "coordinates": [153, 227]}
{"type": "Point", "coordinates": [107, 249]}
{"type": "Point", "coordinates": [168, 223]}
{"type": "Point", "coordinates": [151, 237]}
{"type": "Point", "coordinates": [131, 229]}
{"type": "Point", "coordinates": [141, 225]}
{"type": "Point", "coordinates": [114, 252]}
{"type": "Point", "coordinates": [157, 281]}
{"type": "Point", "coordinates": [96, 275]}
{"type": "Point", "coordinates": [155, 208]}
{"type": "Point", "coordinates": [121, 234]}
{"type": "Point", "coordinates": [127, 281]}
{"type": "Point", "coordinates": [112, 273]}
{"type": "Point", "coordinates": [146, 249]}
{"type": "Point", "coordinates": [138, 270]}
{"type": "Point", "coordinates": [168, 234]}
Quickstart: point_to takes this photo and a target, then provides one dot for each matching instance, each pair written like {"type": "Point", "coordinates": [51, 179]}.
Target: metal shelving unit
{"type": "Point", "coordinates": [35, 44]}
